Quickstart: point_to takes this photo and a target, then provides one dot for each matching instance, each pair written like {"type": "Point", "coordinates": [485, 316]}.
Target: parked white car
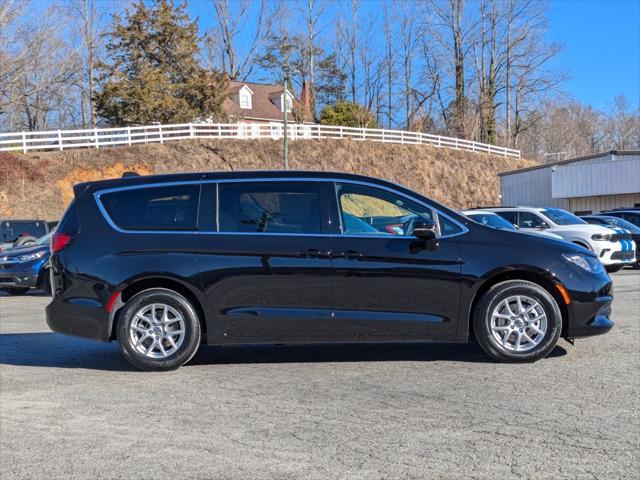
{"type": "Point", "coordinates": [491, 219]}
{"type": "Point", "coordinates": [614, 249]}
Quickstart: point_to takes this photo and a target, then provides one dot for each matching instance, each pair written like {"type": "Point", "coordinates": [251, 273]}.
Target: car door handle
{"type": "Point", "coordinates": [315, 253]}
{"type": "Point", "coordinates": [349, 254]}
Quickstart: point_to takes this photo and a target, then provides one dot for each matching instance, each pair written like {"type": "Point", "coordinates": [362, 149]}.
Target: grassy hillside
{"type": "Point", "coordinates": [39, 184]}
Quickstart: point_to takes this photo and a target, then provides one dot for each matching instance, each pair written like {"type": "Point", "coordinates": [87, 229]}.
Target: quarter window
{"type": "Point", "coordinates": [269, 207]}
{"type": "Point", "coordinates": [171, 208]}
{"type": "Point", "coordinates": [371, 211]}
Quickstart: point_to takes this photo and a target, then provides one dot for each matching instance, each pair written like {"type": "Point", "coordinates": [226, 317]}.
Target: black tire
{"type": "Point", "coordinates": [25, 241]}
{"type": "Point", "coordinates": [192, 334]}
{"type": "Point", "coordinates": [493, 297]}
{"type": "Point", "coordinates": [16, 290]}
{"type": "Point", "coordinates": [613, 268]}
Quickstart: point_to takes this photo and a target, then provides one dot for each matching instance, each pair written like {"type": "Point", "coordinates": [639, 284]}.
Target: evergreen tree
{"type": "Point", "coordinates": [348, 114]}
{"type": "Point", "coordinates": [154, 74]}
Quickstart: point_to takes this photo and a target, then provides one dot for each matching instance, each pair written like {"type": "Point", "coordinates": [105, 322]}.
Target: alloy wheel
{"type": "Point", "coordinates": [157, 330]}
{"type": "Point", "coordinates": [518, 323]}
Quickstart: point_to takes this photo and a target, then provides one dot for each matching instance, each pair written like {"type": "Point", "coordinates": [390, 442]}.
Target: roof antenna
{"type": "Point", "coordinates": [130, 174]}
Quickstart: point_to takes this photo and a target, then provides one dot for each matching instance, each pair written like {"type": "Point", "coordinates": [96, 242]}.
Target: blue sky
{"type": "Point", "coordinates": [601, 40]}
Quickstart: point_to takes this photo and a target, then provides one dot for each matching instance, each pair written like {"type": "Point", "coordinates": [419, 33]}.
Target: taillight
{"type": "Point", "coordinates": [60, 241]}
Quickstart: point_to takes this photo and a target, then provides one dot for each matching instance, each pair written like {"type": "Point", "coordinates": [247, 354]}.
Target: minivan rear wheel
{"type": "Point", "coordinates": [517, 321]}
{"type": "Point", "coordinates": [158, 330]}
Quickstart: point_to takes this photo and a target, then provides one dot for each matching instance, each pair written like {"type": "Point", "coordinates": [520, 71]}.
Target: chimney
{"type": "Point", "coordinates": [305, 101]}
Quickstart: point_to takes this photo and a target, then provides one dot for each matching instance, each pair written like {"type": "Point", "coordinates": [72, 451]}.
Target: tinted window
{"type": "Point", "coordinates": [10, 231]}
{"type": "Point", "coordinates": [269, 207]}
{"type": "Point", "coordinates": [511, 217]}
{"type": "Point", "coordinates": [386, 212]}
{"type": "Point", "coordinates": [632, 217]}
{"type": "Point", "coordinates": [530, 220]}
{"type": "Point", "coordinates": [155, 208]}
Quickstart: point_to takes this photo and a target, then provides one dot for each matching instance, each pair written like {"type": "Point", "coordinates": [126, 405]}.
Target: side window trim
{"type": "Point", "coordinates": [436, 211]}
{"type": "Point", "coordinates": [112, 224]}
{"type": "Point", "coordinates": [332, 202]}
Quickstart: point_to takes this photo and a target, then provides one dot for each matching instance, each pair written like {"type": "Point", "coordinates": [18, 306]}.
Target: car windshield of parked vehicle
{"type": "Point", "coordinates": [492, 220]}
{"type": "Point", "coordinates": [620, 223]}
{"type": "Point", "coordinates": [44, 240]}
{"type": "Point", "coordinates": [269, 207]}
{"type": "Point", "coordinates": [11, 230]}
{"type": "Point", "coordinates": [386, 212]}
{"type": "Point", "coordinates": [562, 217]}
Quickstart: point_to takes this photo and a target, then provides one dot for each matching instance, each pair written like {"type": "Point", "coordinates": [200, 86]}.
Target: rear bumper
{"type": "Point", "coordinates": [81, 317]}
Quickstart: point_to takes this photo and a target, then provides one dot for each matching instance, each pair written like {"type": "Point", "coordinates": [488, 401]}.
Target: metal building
{"type": "Point", "coordinates": [582, 185]}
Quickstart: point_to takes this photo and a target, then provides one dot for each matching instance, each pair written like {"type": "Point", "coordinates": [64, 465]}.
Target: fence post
{"type": "Point", "coordinates": [191, 130]}
{"type": "Point", "coordinates": [341, 134]}
{"type": "Point", "coordinates": [401, 137]}
{"type": "Point", "coordinates": [160, 131]}
{"type": "Point", "coordinates": [95, 137]}
{"type": "Point", "coordinates": [59, 140]}
{"type": "Point", "coordinates": [129, 136]}
{"type": "Point", "coordinates": [439, 141]}
{"type": "Point", "coordinates": [24, 142]}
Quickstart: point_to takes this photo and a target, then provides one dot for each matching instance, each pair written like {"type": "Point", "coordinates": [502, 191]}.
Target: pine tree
{"type": "Point", "coordinates": [153, 74]}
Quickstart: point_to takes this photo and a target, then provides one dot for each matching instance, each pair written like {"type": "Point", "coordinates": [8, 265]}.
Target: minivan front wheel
{"type": "Point", "coordinates": [158, 330]}
{"type": "Point", "coordinates": [517, 321]}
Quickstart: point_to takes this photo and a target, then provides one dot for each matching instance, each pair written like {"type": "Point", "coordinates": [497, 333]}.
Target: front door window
{"type": "Point", "coordinates": [371, 211]}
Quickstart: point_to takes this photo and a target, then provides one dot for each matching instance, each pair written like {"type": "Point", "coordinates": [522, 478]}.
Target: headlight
{"type": "Point", "coordinates": [586, 262]}
{"type": "Point", "coordinates": [31, 256]}
{"type": "Point", "coordinates": [601, 237]}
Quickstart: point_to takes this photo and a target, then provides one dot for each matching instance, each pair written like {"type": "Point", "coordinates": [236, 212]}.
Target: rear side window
{"type": "Point", "coordinates": [169, 208]}
{"type": "Point", "coordinates": [511, 217]}
{"type": "Point", "coordinates": [269, 207]}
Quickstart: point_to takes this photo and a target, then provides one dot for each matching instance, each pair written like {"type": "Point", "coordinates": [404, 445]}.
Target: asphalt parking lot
{"type": "Point", "coordinates": [71, 408]}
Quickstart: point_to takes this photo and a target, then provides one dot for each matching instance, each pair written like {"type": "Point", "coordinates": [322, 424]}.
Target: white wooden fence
{"type": "Point", "coordinates": [110, 137]}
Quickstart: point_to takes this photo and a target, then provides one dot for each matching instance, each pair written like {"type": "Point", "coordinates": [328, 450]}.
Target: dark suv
{"type": "Point", "coordinates": [165, 263]}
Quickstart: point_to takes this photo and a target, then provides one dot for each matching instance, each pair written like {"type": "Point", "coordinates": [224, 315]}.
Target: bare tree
{"type": "Point", "coordinates": [241, 31]}
{"type": "Point", "coordinates": [90, 28]}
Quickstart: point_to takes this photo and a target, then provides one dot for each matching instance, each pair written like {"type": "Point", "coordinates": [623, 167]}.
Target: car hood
{"type": "Point", "coordinates": [583, 228]}
{"type": "Point", "coordinates": [16, 252]}
{"type": "Point", "coordinates": [544, 233]}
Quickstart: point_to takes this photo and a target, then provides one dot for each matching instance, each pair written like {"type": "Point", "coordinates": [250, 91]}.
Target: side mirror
{"type": "Point", "coordinates": [544, 225]}
{"type": "Point", "coordinates": [424, 229]}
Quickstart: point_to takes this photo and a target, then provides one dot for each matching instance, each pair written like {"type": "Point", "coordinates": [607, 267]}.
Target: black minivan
{"type": "Point", "coordinates": [164, 263]}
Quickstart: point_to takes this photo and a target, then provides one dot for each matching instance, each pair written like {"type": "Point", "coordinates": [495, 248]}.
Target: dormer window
{"type": "Point", "coordinates": [244, 98]}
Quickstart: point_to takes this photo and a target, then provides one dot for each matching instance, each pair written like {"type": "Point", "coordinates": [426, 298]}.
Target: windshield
{"type": "Point", "coordinates": [492, 220]}
{"type": "Point", "coordinates": [11, 230]}
{"type": "Point", "coordinates": [562, 217]}
{"type": "Point", "coordinates": [621, 223]}
{"type": "Point", "coordinates": [44, 240]}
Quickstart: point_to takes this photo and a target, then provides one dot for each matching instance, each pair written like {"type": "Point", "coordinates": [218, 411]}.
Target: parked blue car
{"type": "Point", "coordinates": [22, 268]}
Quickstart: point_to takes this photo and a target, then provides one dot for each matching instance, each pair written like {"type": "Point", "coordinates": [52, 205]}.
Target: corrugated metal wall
{"type": "Point", "coordinates": [607, 177]}
{"type": "Point", "coordinates": [530, 188]}
{"type": "Point", "coordinates": [595, 184]}
{"type": "Point", "coordinates": [603, 202]}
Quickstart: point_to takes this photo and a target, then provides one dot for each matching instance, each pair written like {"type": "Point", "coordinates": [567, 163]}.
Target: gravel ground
{"type": "Point", "coordinates": [71, 408]}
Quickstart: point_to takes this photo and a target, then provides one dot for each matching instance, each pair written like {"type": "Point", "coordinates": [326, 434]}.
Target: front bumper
{"type": "Point", "coordinates": [609, 256]}
{"type": "Point", "coordinates": [23, 279]}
